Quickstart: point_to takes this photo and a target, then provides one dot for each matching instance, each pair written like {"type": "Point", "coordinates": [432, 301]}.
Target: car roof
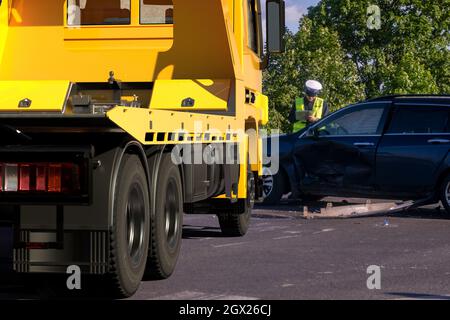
{"type": "Point", "coordinates": [413, 98]}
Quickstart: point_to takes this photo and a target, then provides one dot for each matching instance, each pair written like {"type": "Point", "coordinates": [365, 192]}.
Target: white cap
{"type": "Point", "coordinates": [314, 85]}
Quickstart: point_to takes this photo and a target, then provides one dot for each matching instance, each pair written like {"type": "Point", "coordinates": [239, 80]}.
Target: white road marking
{"type": "Point", "coordinates": [228, 244]}
{"type": "Point", "coordinates": [287, 285]}
{"type": "Point", "coordinates": [324, 230]}
{"type": "Point", "coordinates": [292, 232]}
{"type": "Point", "coordinates": [195, 295]}
{"type": "Point", "coordinates": [286, 237]}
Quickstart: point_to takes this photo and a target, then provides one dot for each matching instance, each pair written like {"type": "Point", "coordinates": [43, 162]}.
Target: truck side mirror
{"type": "Point", "coordinates": [275, 25]}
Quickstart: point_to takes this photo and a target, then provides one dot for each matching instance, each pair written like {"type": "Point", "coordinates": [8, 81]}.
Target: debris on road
{"type": "Point", "coordinates": [357, 210]}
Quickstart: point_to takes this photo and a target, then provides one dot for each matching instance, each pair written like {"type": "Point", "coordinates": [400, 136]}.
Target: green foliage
{"type": "Point", "coordinates": [409, 54]}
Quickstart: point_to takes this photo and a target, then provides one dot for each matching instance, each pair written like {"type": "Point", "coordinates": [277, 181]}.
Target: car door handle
{"type": "Point", "coordinates": [438, 141]}
{"type": "Point", "coordinates": [364, 144]}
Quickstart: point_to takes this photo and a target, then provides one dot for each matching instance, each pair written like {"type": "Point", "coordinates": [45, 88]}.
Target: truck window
{"type": "Point", "coordinates": [98, 12]}
{"type": "Point", "coordinates": [418, 119]}
{"type": "Point", "coordinates": [252, 25]}
{"type": "Point", "coordinates": [156, 12]}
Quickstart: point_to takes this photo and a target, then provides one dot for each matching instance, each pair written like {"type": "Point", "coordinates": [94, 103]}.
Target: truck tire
{"type": "Point", "coordinates": [273, 187]}
{"type": "Point", "coordinates": [167, 225]}
{"type": "Point", "coordinates": [130, 229]}
{"type": "Point", "coordinates": [236, 224]}
{"type": "Point", "coordinates": [445, 194]}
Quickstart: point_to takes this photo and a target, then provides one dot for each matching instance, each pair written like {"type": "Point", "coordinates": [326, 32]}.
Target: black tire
{"type": "Point", "coordinates": [167, 226]}
{"type": "Point", "coordinates": [129, 238]}
{"type": "Point", "coordinates": [274, 187]}
{"type": "Point", "coordinates": [236, 224]}
{"type": "Point", "coordinates": [445, 194]}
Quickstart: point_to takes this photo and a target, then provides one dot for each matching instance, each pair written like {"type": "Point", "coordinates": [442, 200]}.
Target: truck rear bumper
{"type": "Point", "coordinates": [51, 236]}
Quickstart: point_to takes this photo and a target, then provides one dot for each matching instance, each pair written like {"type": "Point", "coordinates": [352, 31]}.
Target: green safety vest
{"type": "Point", "coordinates": [316, 112]}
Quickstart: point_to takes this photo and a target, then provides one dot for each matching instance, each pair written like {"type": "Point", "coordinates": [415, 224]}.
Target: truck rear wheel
{"type": "Point", "coordinates": [130, 232]}
{"type": "Point", "coordinates": [167, 226]}
{"type": "Point", "coordinates": [236, 224]}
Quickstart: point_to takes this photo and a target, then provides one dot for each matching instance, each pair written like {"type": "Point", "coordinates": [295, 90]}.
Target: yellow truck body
{"type": "Point", "coordinates": [153, 73]}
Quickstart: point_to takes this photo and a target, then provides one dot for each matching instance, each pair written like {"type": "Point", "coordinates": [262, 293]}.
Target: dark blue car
{"type": "Point", "coordinates": [394, 147]}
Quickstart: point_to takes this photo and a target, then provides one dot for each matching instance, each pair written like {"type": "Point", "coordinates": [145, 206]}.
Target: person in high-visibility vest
{"type": "Point", "coordinates": [317, 107]}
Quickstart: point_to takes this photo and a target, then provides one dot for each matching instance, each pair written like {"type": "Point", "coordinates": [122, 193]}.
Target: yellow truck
{"type": "Point", "coordinates": [118, 116]}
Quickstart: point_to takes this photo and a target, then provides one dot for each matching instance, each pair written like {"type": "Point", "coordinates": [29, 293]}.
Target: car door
{"type": "Point", "coordinates": [410, 153]}
{"type": "Point", "coordinates": [337, 155]}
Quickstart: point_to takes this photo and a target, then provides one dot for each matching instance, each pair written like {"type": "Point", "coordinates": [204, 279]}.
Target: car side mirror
{"type": "Point", "coordinates": [275, 25]}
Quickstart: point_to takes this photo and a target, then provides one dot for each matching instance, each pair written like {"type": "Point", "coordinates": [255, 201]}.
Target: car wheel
{"type": "Point", "coordinates": [273, 187]}
{"type": "Point", "coordinates": [445, 194]}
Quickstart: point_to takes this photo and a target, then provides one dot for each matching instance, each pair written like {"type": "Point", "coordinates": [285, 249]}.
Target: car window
{"type": "Point", "coordinates": [98, 12]}
{"type": "Point", "coordinates": [359, 122]}
{"type": "Point", "coordinates": [156, 12]}
{"type": "Point", "coordinates": [420, 119]}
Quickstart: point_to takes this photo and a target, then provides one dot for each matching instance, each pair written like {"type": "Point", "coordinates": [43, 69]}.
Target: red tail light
{"type": "Point", "coordinates": [40, 177]}
{"type": "Point", "coordinates": [54, 178]}
{"type": "Point", "coordinates": [70, 177]}
{"type": "Point", "coordinates": [24, 177]}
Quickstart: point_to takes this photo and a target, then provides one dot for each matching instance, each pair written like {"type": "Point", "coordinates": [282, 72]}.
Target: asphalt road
{"type": "Point", "coordinates": [286, 257]}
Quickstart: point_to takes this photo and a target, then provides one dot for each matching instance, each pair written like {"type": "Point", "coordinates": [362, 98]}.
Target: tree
{"type": "Point", "coordinates": [409, 53]}
{"type": "Point", "coordinates": [313, 53]}
{"type": "Point", "coordinates": [279, 84]}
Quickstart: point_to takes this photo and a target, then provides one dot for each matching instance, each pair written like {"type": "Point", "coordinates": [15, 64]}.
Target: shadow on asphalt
{"type": "Point", "coordinates": [196, 232]}
{"type": "Point", "coordinates": [51, 287]}
{"type": "Point", "coordinates": [423, 213]}
{"type": "Point", "coordinates": [421, 296]}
